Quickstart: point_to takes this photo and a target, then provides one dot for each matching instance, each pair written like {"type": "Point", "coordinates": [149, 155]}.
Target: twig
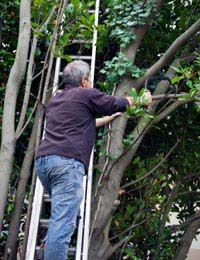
{"type": "Point", "coordinates": [154, 168]}
{"type": "Point", "coordinates": [191, 14]}
{"type": "Point", "coordinates": [128, 229]}
{"type": "Point", "coordinates": [39, 73]}
{"type": "Point", "coordinates": [189, 193]}
{"type": "Point", "coordinates": [28, 121]}
{"type": "Point", "coordinates": [196, 174]}
{"type": "Point", "coordinates": [129, 147]}
{"type": "Point", "coordinates": [124, 245]}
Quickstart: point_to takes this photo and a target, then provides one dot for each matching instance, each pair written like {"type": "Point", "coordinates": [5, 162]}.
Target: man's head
{"type": "Point", "coordinates": [77, 73]}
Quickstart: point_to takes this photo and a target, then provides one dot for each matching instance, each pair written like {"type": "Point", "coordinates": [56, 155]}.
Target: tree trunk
{"type": "Point", "coordinates": [105, 198]}
{"type": "Point", "coordinates": [11, 243]}
{"type": "Point", "coordinates": [12, 88]}
{"type": "Point", "coordinates": [187, 238]}
{"type": "Point", "coordinates": [107, 201]}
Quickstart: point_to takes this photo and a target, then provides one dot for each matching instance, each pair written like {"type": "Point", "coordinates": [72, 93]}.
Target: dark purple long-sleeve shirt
{"type": "Point", "coordinates": [70, 121]}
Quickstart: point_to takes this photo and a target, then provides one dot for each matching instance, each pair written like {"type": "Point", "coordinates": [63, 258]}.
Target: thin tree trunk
{"type": "Point", "coordinates": [11, 243]}
{"type": "Point", "coordinates": [30, 74]}
{"type": "Point", "coordinates": [33, 182]}
{"type": "Point", "coordinates": [187, 238]}
{"type": "Point", "coordinates": [12, 88]}
{"type": "Point", "coordinates": [28, 85]}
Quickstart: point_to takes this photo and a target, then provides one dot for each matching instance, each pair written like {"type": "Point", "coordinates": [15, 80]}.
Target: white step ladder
{"type": "Point", "coordinates": [81, 250]}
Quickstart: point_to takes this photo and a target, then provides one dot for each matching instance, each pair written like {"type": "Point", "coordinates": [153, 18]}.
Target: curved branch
{"type": "Point", "coordinates": [154, 169]}
{"type": "Point", "coordinates": [169, 53]}
{"type": "Point", "coordinates": [171, 108]}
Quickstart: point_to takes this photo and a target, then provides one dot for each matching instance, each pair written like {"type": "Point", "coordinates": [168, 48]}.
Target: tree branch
{"type": "Point", "coordinates": [169, 109]}
{"type": "Point", "coordinates": [30, 76]}
{"type": "Point", "coordinates": [169, 53]}
{"type": "Point", "coordinates": [186, 240]}
{"type": "Point", "coordinates": [128, 229]}
{"type": "Point", "coordinates": [115, 247]}
{"type": "Point", "coordinates": [154, 169]}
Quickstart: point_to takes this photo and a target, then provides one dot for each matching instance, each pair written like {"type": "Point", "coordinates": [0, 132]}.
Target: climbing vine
{"type": "Point", "coordinates": [123, 16]}
{"type": "Point", "coordinates": [121, 19]}
{"type": "Point", "coordinates": [118, 67]}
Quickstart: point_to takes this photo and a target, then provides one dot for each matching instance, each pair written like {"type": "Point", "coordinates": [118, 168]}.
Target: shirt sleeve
{"type": "Point", "coordinates": [104, 104]}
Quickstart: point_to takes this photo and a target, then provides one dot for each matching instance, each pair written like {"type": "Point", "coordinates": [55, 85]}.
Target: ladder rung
{"type": "Point", "coordinates": [71, 251]}
{"type": "Point", "coordinates": [91, 11]}
{"type": "Point", "coordinates": [79, 57]}
{"type": "Point", "coordinates": [46, 198]}
{"type": "Point", "coordinates": [44, 223]}
{"type": "Point", "coordinates": [80, 41]}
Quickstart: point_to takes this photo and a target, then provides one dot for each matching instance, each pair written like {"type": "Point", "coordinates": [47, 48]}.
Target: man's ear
{"type": "Point", "coordinates": [83, 82]}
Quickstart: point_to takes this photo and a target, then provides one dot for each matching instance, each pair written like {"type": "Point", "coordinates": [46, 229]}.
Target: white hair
{"type": "Point", "coordinates": [74, 72]}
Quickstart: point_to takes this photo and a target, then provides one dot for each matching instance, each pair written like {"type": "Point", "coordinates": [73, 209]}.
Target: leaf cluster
{"type": "Point", "coordinates": [119, 67]}
{"type": "Point", "coordinates": [123, 16]}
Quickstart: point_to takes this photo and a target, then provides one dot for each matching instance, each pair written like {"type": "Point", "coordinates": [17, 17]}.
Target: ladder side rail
{"type": "Point", "coordinates": [88, 209]}
{"type": "Point", "coordinates": [35, 218]}
{"type": "Point", "coordinates": [56, 76]}
{"type": "Point", "coordinates": [37, 202]}
{"type": "Point", "coordinates": [94, 41]}
{"type": "Point", "coordinates": [81, 222]}
{"type": "Point", "coordinates": [90, 171]}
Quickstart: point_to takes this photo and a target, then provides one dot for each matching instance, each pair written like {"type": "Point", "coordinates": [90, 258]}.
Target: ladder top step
{"type": "Point", "coordinates": [79, 57]}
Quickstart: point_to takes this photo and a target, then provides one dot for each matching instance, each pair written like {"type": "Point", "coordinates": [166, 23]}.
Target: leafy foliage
{"type": "Point", "coordinates": [119, 67]}
{"type": "Point", "coordinates": [122, 16]}
{"type": "Point", "coordinates": [143, 202]}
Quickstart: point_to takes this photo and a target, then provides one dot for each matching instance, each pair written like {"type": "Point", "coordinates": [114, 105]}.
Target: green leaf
{"type": "Point", "coordinates": [67, 57]}
{"type": "Point", "coordinates": [176, 79]}
{"type": "Point", "coordinates": [136, 160]}
{"type": "Point", "coordinates": [134, 93]}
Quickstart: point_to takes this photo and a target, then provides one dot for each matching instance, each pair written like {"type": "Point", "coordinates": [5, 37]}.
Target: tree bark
{"type": "Point", "coordinates": [176, 45]}
{"type": "Point", "coordinates": [105, 197]}
{"type": "Point", "coordinates": [12, 88]}
{"type": "Point", "coordinates": [11, 242]}
{"type": "Point", "coordinates": [187, 238]}
{"type": "Point", "coordinates": [109, 183]}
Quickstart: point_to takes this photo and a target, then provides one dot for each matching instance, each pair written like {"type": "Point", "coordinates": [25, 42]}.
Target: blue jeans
{"type": "Point", "coordinates": [62, 178]}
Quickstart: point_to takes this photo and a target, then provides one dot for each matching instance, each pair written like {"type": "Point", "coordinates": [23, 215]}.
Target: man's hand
{"type": "Point", "coordinates": [144, 100]}
{"type": "Point", "coordinates": [106, 119]}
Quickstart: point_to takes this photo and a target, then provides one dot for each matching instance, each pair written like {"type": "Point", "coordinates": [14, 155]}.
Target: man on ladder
{"type": "Point", "coordinates": [63, 156]}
